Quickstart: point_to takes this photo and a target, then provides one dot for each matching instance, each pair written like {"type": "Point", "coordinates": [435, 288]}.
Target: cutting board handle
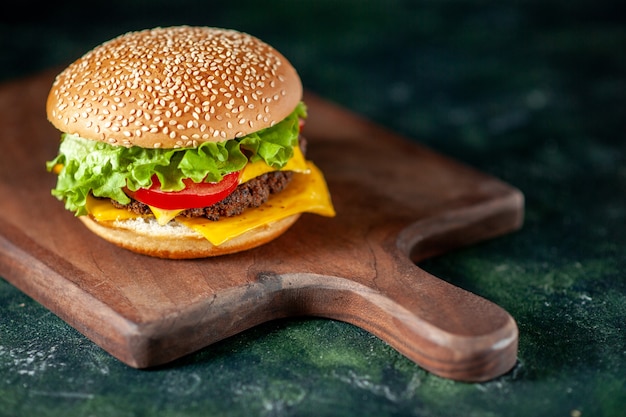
{"type": "Point", "coordinates": [449, 331]}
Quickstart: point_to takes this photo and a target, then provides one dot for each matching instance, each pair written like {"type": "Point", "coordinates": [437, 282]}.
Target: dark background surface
{"type": "Point", "coordinates": [530, 91]}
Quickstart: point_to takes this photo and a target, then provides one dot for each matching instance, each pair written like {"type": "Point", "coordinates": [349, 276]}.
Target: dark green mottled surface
{"type": "Point", "coordinates": [533, 92]}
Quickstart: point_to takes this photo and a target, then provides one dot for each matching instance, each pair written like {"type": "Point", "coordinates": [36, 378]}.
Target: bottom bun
{"type": "Point", "coordinates": [176, 241]}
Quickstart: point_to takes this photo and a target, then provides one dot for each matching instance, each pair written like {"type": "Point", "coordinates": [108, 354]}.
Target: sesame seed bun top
{"type": "Point", "coordinates": [174, 87]}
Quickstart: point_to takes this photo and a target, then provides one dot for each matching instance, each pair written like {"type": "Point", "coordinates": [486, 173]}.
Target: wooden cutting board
{"type": "Point", "coordinates": [397, 203]}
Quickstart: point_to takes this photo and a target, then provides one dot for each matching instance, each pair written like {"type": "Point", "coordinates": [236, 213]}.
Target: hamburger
{"type": "Point", "coordinates": [184, 142]}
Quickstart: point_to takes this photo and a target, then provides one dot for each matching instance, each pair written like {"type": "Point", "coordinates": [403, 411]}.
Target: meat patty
{"type": "Point", "coordinates": [247, 195]}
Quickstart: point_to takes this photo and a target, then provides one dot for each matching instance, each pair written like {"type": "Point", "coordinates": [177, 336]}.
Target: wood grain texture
{"type": "Point", "coordinates": [397, 203]}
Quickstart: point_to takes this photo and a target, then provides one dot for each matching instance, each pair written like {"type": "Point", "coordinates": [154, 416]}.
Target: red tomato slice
{"type": "Point", "coordinates": [194, 195]}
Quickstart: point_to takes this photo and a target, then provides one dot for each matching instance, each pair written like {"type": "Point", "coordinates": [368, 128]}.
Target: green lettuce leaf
{"type": "Point", "coordinates": [91, 167]}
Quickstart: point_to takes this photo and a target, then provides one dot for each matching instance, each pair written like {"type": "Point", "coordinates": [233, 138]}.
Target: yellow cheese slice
{"type": "Point", "coordinates": [101, 210]}
{"type": "Point", "coordinates": [297, 163]}
{"type": "Point", "coordinates": [164, 216]}
{"type": "Point", "coordinates": [306, 193]}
